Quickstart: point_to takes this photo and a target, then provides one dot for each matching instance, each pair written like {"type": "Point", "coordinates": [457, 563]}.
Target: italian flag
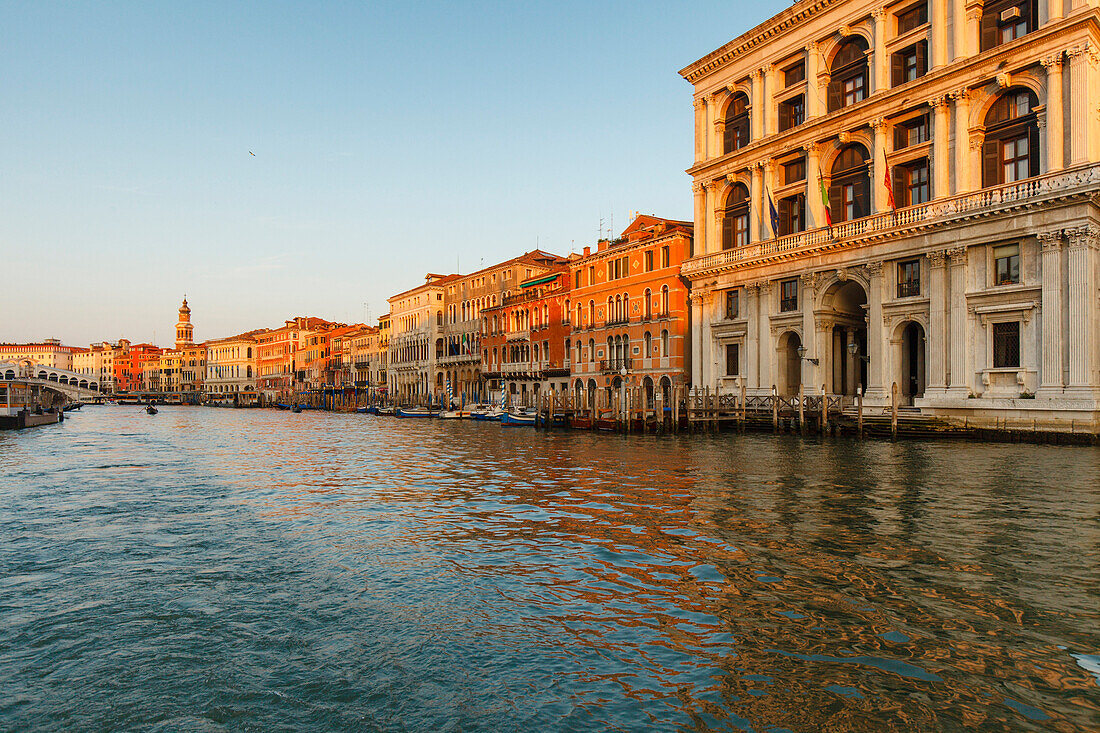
{"type": "Point", "coordinates": [825, 201]}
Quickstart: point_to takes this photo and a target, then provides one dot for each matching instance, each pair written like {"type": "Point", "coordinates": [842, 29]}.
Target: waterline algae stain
{"type": "Point", "coordinates": [232, 570]}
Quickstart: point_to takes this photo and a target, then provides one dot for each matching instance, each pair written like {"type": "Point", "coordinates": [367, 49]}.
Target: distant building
{"type": "Point", "coordinates": [47, 353]}
{"type": "Point", "coordinates": [231, 369]}
{"type": "Point", "coordinates": [416, 317]}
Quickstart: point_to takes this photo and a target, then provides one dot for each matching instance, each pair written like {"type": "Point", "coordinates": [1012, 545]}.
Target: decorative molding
{"type": "Point", "coordinates": [960, 95]}
{"type": "Point", "coordinates": [765, 286]}
{"type": "Point", "coordinates": [714, 186]}
{"type": "Point", "coordinates": [1004, 80]}
{"type": "Point", "coordinates": [977, 137]}
{"type": "Point", "coordinates": [844, 30]}
{"type": "Point", "coordinates": [957, 255]}
{"type": "Point", "coordinates": [810, 280]}
{"type": "Point", "coordinates": [874, 269]}
{"type": "Point", "coordinates": [1052, 62]}
{"type": "Point", "coordinates": [842, 274]}
{"type": "Point", "coordinates": [844, 138]}
{"type": "Point", "coordinates": [1084, 236]}
{"type": "Point", "coordinates": [878, 14]}
{"type": "Point", "coordinates": [938, 101]}
{"type": "Point", "coordinates": [699, 102]}
{"type": "Point", "coordinates": [878, 124]}
{"type": "Point", "coordinates": [697, 187]}
{"type": "Point", "coordinates": [937, 258]}
{"type": "Point", "coordinates": [1050, 241]}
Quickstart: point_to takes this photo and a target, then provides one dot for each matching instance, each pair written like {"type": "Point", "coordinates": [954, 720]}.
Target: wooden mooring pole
{"type": "Point", "coordinates": [824, 410]}
{"type": "Point", "coordinates": [859, 403]}
{"type": "Point", "coordinates": [894, 410]}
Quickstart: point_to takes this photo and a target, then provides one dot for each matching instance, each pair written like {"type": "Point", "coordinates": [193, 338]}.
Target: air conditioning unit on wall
{"type": "Point", "coordinates": [1010, 14]}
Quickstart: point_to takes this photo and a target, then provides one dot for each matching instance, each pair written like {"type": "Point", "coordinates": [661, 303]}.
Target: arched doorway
{"type": "Point", "coordinates": [647, 384]}
{"type": "Point", "coordinates": [592, 394]}
{"type": "Point", "coordinates": [848, 347]}
{"type": "Point", "coordinates": [911, 374]}
{"type": "Point", "coordinates": [790, 364]}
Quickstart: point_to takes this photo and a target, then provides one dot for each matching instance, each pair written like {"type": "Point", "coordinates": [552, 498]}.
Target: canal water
{"type": "Point", "coordinates": [247, 570]}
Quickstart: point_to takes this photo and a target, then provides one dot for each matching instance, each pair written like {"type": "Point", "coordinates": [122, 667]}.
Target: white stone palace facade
{"type": "Point", "coordinates": [976, 292]}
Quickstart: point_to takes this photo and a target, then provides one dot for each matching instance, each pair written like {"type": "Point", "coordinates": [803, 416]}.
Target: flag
{"type": "Point", "coordinates": [825, 201]}
{"type": "Point", "coordinates": [774, 214]}
{"type": "Point", "coordinates": [889, 184]}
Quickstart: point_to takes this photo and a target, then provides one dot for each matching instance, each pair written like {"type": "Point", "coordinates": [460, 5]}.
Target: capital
{"type": "Point", "coordinates": [1087, 235]}
{"type": "Point", "coordinates": [938, 101]}
{"type": "Point", "coordinates": [713, 186]}
{"type": "Point", "coordinates": [874, 269]}
{"type": "Point", "coordinates": [719, 215]}
{"type": "Point", "coordinates": [937, 258]}
{"type": "Point", "coordinates": [1051, 240]}
{"type": "Point", "coordinates": [960, 95]}
{"type": "Point", "coordinates": [811, 149]}
{"type": "Point", "coordinates": [957, 255]}
{"type": "Point", "coordinates": [811, 48]}
{"type": "Point", "coordinates": [1052, 62]}
{"type": "Point", "coordinates": [754, 75]}
{"type": "Point", "coordinates": [878, 124]}
{"type": "Point", "coordinates": [977, 137]}
{"type": "Point", "coordinates": [699, 103]}
{"type": "Point", "coordinates": [731, 88]}
{"type": "Point", "coordinates": [697, 187]}
{"type": "Point", "coordinates": [878, 13]}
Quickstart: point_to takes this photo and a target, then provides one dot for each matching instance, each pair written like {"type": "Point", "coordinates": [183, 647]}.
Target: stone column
{"type": "Point", "coordinates": [696, 340]}
{"type": "Point", "coordinates": [768, 109]}
{"type": "Point", "coordinates": [769, 190]}
{"type": "Point", "coordinates": [765, 303]}
{"type": "Point", "coordinates": [1055, 142]}
{"type": "Point", "coordinates": [936, 344]}
{"type": "Point", "coordinates": [714, 146]}
{"type": "Point", "coordinates": [941, 171]}
{"type": "Point", "coordinates": [700, 106]}
{"type": "Point", "coordinates": [1083, 244]}
{"type": "Point", "coordinates": [1054, 10]}
{"type": "Point", "coordinates": [1081, 123]}
{"type": "Point", "coordinates": [752, 335]}
{"type": "Point", "coordinates": [719, 138]}
{"type": "Point", "coordinates": [938, 41]}
{"type": "Point", "coordinates": [881, 201]}
{"type": "Point", "coordinates": [756, 111]}
{"type": "Point", "coordinates": [811, 339]}
{"type": "Point", "coordinates": [973, 170]}
{"type": "Point", "coordinates": [700, 195]}
{"type": "Point", "coordinates": [962, 144]}
{"type": "Point", "coordinates": [971, 31]}
{"type": "Point", "coordinates": [756, 201]}
{"type": "Point", "coordinates": [876, 367]}
{"type": "Point", "coordinates": [714, 240]}
{"type": "Point", "coordinates": [879, 64]}
{"type": "Point", "coordinates": [1051, 376]}
{"type": "Point", "coordinates": [813, 65]}
{"type": "Point", "coordinates": [958, 337]}
{"type": "Point", "coordinates": [813, 184]}
{"type": "Point", "coordinates": [958, 28]}
{"type": "Point", "coordinates": [710, 370]}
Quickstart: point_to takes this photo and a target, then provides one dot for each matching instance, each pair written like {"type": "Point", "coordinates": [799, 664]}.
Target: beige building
{"type": "Point", "coordinates": [97, 363]}
{"type": "Point", "coordinates": [976, 291]}
{"type": "Point", "coordinates": [416, 318]}
{"type": "Point", "coordinates": [458, 346]}
{"type": "Point", "coordinates": [46, 353]}
{"type": "Point", "coordinates": [231, 369]}
{"type": "Point", "coordinates": [365, 358]}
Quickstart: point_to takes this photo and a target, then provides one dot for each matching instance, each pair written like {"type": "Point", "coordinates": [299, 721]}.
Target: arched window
{"type": "Point", "coordinates": [591, 351]}
{"type": "Point", "coordinates": [648, 307]}
{"type": "Point", "coordinates": [1007, 20]}
{"type": "Point", "coordinates": [849, 192]}
{"type": "Point", "coordinates": [848, 77]}
{"type": "Point", "coordinates": [664, 342]}
{"type": "Point", "coordinates": [591, 313]}
{"type": "Point", "coordinates": [735, 218]}
{"type": "Point", "coordinates": [609, 314]}
{"type": "Point", "coordinates": [626, 307]}
{"type": "Point", "coordinates": [567, 311]}
{"type": "Point", "coordinates": [1011, 148]}
{"type": "Point", "coordinates": [664, 300]}
{"type": "Point", "coordinates": [736, 135]}
{"type": "Point", "coordinates": [647, 345]}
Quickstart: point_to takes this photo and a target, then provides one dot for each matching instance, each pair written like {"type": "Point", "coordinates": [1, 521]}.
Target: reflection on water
{"type": "Point", "coordinates": [250, 570]}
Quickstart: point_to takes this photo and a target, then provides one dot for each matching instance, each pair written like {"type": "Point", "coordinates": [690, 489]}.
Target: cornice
{"type": "Point", "coordinates": [976, 71]}
{"type": "Point", "coordinates": [770, 28]}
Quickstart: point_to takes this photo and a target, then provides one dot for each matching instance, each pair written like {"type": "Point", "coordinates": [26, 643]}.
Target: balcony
{"type": "Point", "coordinates": [518, 336]}
{"type": "Point", "coordinates": [619, 321]}
{"type": "Point", "coordinates": [615, 366]}
{"type": "Point", "coordinates": [909, 289]}
{"type": "Point", "coordinates": [1017, 196]}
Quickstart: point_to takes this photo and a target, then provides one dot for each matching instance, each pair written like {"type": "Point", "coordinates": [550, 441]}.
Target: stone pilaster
{"type": "Point", "coordinates": [700, 106]}
{"type": "Point", "coordinates": [962, 147]}
{"type": "Point", "coordinates": [1051, 378]}
{"type": "Point", "coordinates": [813, 185]}
{"type": "Point", "coordinates": [876, 332]}
{"type": "Point", "coordinates": [1054, 10]}
{"type": "Point", "coordinates": [936, 346]}
{"type": "Point", "coordinates": [768, 172]}
{"type": "Point", "coordinates": [941, 173]}
{"type": "Point", "coordinates": [881, 201]}
{"type": "Point", "coordinates": [696, 302]}
{"type": "Point", "coordinates": [756, 111]}
{"type": "Point", "coordinates": [714, 146]}
{"type": "Point", "coordinates": [958, 25]}
{"type": "Point", "coordinates": [879, 65]}
{"type": "Point", "coordinates": [756, 200]}
{"type": "Point", "coordinates": [812, 375]}
{"type": "Point", "coordinates": [752, 335]}
{"type": "Point", "coordinates": [767, 346]}
{"type": "Point", "coordinates": [958, 337]}
{"type": "Point", "coordinates": [938, 41]}
{"type": "Point", "coordinates": [813, 67]}
{"type": "Point", "coordinates": [700, 198]}
{"type": "Point", "coordinates": [768, 109]}
{"type": "Point", "coordinates": [1055, 143]}
{"type": "Point", "coordinates": [1082, 102]}
{"type": "Point", "coordinates": [714, 240]}
{"type": "Point", "coordinates": [1083, 243]}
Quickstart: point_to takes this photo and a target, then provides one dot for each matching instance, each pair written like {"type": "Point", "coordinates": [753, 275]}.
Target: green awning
{"type": "Point", "coordinates": [541, 280]}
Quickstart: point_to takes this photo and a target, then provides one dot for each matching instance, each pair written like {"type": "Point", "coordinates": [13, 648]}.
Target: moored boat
{"type": "Point", "coordinates": [450, 415]}
{"type": "Point", "coordinates": [518, 417]}
{"type": "Point", "coordinates": [414, 412]}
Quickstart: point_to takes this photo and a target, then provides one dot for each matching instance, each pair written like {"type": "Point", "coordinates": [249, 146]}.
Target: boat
{"type": "Point", "coordinates": [450, 415]}
{"type": "Point", "coordinates": [414, 412]}
{"type": "Point", "coordinates": [518, 417]}
{"type": "Point", "coordinates": [492, 414]}
{"type": "Point", "coordinates": [151, 410]}
{"type": "Point", "coordinates": [282, 406]}
{"type": "Point", "coordinates": [371, 409]}
{"type": "Point", "coordinates": [387, 411]}
{"type": "Point", "coordinates": [362, 410]}
{"type": "Point", "coordinates": [73, 406]}
{"type": "Point", "coordinates": [296, 409]}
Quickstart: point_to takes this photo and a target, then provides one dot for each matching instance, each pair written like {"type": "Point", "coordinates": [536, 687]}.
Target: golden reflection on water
{"type": "Point", "coordinates": [753, 581]}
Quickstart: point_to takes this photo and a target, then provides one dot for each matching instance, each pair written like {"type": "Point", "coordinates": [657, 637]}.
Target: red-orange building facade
{"type": "Point", "coordinates": [129, 365]}
{"type": "Point", "coordinates": [630, 313]}
{"type": "Point", "coordinates": [277, 360]}
{"type": "Point", "coordinates": [525, 341]}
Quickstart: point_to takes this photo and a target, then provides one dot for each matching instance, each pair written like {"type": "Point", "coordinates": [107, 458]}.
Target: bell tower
{"type": "Point", "coordinates": [184, 329]}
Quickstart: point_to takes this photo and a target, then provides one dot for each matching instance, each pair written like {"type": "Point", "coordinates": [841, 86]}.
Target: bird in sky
{"type": "Point", "coordinates": [251, 153]}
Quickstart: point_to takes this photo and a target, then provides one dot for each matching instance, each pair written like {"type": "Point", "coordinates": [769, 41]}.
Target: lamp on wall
{"type": "Point", "coordinates": [853, 349]}
{"type": "Point", "coordinates": [802, 355]}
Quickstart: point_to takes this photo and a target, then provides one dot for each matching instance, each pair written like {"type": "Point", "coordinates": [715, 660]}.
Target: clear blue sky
{"type": "Point", "coordinates": [389, 139]}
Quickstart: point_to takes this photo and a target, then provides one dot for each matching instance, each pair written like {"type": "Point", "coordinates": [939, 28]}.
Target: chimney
{"type": "Point", "coordinates": [587, 251]}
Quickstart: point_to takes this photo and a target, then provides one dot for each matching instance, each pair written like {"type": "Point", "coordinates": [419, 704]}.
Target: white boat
{"type": "Point", "coordinates": [450, 415]}
{"type": "Point", "coordinates": [518, 417]}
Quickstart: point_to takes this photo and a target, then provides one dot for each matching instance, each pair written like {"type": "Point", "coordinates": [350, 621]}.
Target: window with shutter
{"type": "Point", "coordinates": [1011, 148]}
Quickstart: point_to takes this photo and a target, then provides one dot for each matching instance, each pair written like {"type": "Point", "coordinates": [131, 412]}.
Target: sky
{"type": "Point", "coordinates": [278, 159]}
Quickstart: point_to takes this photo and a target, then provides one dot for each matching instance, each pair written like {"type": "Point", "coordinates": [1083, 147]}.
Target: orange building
{"type": "Point", "coordinates": [630, 323]}
{"type": "Point", "coordinates": [130, 365]}
{"type": "Point", "coordinates": [525, 341]}
{"type": "Point", "coordinates": [277, 362]}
